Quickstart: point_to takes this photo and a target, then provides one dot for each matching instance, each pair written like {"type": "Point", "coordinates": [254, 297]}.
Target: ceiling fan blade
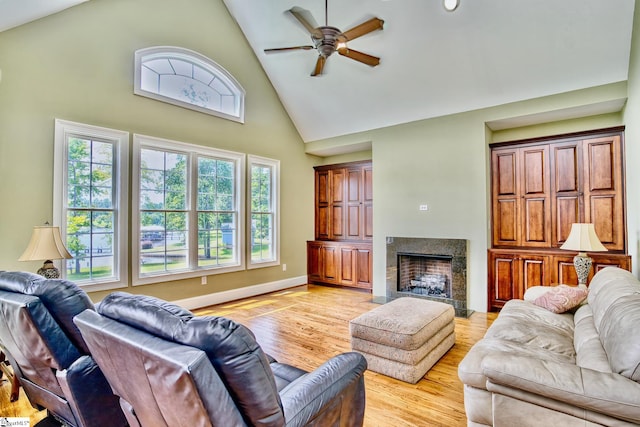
{"type": "Point", "coordinates": [303, 16]}
{"type": "Point", "coordinates": [359, 56]}
{"type": "Point", "coordinates": [364, 28]}
{"type": "Point", "coordinates": [279, 49]}
{"type": "Point", "coordinates": [319, 66]}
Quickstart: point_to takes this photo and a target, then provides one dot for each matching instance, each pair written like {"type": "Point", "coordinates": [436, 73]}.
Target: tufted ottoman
{"type": "Point", "coordinates": [404, 338]}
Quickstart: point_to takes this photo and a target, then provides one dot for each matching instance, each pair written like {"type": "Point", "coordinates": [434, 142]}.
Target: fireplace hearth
{"type": "Point", "coordinates": [433, 269]}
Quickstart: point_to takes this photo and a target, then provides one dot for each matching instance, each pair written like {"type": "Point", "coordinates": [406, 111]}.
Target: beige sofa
{"type": "Point", "coordinates": [537, 368]}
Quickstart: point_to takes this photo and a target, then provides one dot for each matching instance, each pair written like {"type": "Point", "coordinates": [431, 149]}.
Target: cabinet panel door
{"type": "Point", "coordinates": [566, 190]}
{"type": "Point", "coordinates": [337, 186]}
{"type": "Point", "coordinates": [505, 277]}
{"type": "Point", "coordinates": [367, 210]}
{"type": "Point", "coordinates": [603, 189]}
{"type": "Point", "coordinates": [536, 208]}
{"type": "Point", "coordinates": [337, 228]}
{"type": "Point", "coordinates": [363, 262]}
{"type": "Point", "coordinates": [347, 273]}
{"type": "Point", "coordinates": [354, 204]}
{"type": "Point", "coordinates": [565, 272]}
{"type": "Point", "coordinates": [330, 263]}
{"type": "Point", "coordinates": [535, 272]}
{"type": "Point", "coordinates": [314, 261]}
{"type": "Point", "coordinates": [323, 219]}
{"type": "Point", "coordinates": [506, 197]}
{"type": "Point", "coordinates": [322, 187]}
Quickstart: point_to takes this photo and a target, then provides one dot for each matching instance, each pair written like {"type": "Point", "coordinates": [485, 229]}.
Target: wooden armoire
{"type": "Point", "coordinates": [341, 253]}
{"type": "Point", "coordinates": [539, 187]}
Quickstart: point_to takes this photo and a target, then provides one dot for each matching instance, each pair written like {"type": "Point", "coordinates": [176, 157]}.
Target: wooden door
{"type": "Point", "coordinates": [354, 209]}
{"type": "Point", "coordinates": [322, 205]}
{"type": "Point", "coordinates": [566, 189]}
{"type": "Point", "coordinates": [314, 261]}
{"type": "Point", "coordinates": [505, 183]}
{"type": "Point", "coordinates": [535, 272]}
{"type": "Point", "coordinates": [367, 192]}
{"type": "Point", "coordinates": [336, 201]}
{"type": "Point", "coordinates": [504, 276]}
{"type": "Point", "coordinates": [603, 189]}
{"type": "Point", "coordinates": [535, 211]}
{"type": "Point", "coordinates": [347, 266]}
{"type": "Point", "coordinates": [364, 266]}
{"type": "Point", "coordinates": [330, 263]}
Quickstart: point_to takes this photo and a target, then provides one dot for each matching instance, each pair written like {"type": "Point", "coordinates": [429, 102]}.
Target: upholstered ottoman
{"type": "Point", "coordinates": [404, 338]}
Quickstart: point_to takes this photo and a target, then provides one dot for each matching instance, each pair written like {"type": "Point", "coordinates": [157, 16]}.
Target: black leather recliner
{"type": "Point", "coordinates": [47, 351]}
{"type": "Point", "coordinates": [170, 367]}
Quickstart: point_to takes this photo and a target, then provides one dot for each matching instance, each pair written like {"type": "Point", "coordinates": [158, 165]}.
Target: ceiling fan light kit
{"type": "Point", "coordinates": [450, 5]}
{"type": "Point", "coordinates": [327, 40]}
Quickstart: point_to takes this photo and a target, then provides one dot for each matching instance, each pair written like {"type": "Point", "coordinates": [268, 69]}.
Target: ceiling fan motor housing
{"type": "Point", "coordinates": [326, 39]}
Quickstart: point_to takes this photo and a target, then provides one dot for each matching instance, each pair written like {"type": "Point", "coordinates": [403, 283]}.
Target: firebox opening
{"type": "Point", "coordinates": [423, 274]}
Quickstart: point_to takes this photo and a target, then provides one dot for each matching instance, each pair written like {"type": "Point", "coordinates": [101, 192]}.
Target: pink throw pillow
{"type": "Point", "coordinates": [561, 298]}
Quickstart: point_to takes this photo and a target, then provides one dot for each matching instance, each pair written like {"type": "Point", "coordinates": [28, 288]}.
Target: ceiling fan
{"type": "Point", "coordinates": [328, 39]}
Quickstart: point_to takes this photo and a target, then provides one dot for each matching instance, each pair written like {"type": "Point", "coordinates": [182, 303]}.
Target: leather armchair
{"type": "Point", "coordinates": [48, 354]}
{"type": "Point", "coordinates": [170, 367]}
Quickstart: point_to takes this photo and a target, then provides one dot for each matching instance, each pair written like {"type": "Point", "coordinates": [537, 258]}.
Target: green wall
{"type": "Point", "coordinates": [78, 65]}
{"type": "Point", "coordinates": [444, 163]}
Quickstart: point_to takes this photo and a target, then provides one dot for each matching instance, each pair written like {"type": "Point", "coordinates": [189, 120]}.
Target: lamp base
{"type": "Point", "coordinates": [582, 264]}
{"type": "Point", "coordinates": [48, 270]}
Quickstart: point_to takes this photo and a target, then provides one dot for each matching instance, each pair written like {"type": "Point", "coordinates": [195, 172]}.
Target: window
{"type": "Point", "coordinates": [188, 204]}
{"type": "Point", "coordinates": [185, 78]}
{"type": "Point", "coordinates": [91, 166]}
{"type": "Point", "coordinates": [264, 182]}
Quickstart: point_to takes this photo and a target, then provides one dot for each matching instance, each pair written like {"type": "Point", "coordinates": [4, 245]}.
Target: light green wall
{"type": "Point", "coordinates": [443, 162]}
{"type": "Point", "coordinates": [78, 65]}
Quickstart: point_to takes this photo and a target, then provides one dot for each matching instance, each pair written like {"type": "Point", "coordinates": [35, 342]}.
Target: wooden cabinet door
{"type": "Point", "coordinates": [314, 261]}
{"type": "Point", "coordinates": [367, 211]}
{"type": "Point", "coordinates": [322, 205]}
{"type": "Point", "coordinates": [504, 276]}
{"type": "Point", "coordinates": [347, 266]}
{"type": "Point", "coordinates": [535, 272]}
{"type": "Point", "coordinates": [563, 270]}
{"type": "Point", "coordinates": [364, 267]}
{"type": "Point", "coordinates": [535, 208]}
{"type": "Point", "coordinates": [566, 189]}
{"type": "Point", "coordinates": [603, 190]}
{"type": "Point", "coordinates": [354, 209]}
{"type": "Point", "coordinates": [505, 183]}
{"type": "Point", "coordinates": [337, 205]}
{"type": "Point", "coordinates": [330, 263]}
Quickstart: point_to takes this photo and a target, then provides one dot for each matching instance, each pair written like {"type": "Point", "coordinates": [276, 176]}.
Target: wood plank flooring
{"type": "Point", "coordinates": [306, 325]}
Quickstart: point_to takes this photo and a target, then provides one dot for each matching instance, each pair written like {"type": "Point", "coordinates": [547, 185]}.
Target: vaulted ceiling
{"type": "Point", "coordinates": [433, 62]}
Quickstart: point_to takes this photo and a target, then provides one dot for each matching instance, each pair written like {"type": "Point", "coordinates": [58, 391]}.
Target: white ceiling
{"type": "Point", "coordinates": [434, 62]}
{"type": "Point", "coordinates": [18, 12]}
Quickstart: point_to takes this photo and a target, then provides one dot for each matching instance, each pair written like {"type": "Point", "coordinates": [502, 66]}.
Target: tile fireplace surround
{"type": "Point", "coordinates": [455, 248]}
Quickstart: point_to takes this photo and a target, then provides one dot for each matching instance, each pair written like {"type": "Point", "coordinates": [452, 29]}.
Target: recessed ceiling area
{"type": "Point", "coordinates": [436, 62]}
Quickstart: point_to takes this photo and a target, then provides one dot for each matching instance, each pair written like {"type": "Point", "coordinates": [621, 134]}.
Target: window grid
{"type": "Point", "coordinates": [263, 243]}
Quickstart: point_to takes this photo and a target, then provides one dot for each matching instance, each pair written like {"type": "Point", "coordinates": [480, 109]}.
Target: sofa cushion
{"type": "Point", "coordinates": [231, 348]}
{"type": "Point", "coordinates": [561, 298]}
{"type": "Point", "coordinates": [620, 336]}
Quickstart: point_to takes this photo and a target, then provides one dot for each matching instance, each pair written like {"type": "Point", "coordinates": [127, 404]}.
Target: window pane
{"type": "Point", "coordinates": [261, 237]}
{"type": "Point", "coordinates": [89, 239]}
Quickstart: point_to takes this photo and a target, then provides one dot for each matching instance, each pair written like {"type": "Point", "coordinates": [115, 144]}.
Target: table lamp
{"type": "Point", "coordinates": [583, 239]}
{"type": "Point", "coordinates": [46, 245]}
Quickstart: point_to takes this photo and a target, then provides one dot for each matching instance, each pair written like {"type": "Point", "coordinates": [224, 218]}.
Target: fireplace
{"type": "Point", "coordinates": [433, 269]}
{"type": "Point", "coordinates": [424, 274]}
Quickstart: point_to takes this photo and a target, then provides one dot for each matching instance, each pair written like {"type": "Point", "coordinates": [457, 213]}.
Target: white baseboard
{"type": "Point", "coordinates": [236, 294]}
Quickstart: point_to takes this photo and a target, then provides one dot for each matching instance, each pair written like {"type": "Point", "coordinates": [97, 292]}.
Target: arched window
{"type": "Point", "coordinates": [188, 79]}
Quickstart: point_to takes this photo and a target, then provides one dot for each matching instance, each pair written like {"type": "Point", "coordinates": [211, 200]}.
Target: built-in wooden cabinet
{"type": "Point", "coordinates": [340, 263]}
{"type": "Point", "coordinates": [539, 188]}
{"type": "Point", "coordinates": [511, 272]}
{"type": "Point", "coordinates": [341, 253]}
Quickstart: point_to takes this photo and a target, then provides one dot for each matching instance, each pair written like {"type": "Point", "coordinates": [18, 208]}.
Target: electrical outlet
{"type": "Point", "coordinates": [424, 207]}
{"type": "Point", "coordinates": [284, 267]}
{"type": "Point", "coordinates": [203, 280]}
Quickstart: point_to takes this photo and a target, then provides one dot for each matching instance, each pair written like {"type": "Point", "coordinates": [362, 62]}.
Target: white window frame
{"type": "Point", "coordinates": [193, 151]}
{"type": "Point", "coordinates": [275, 204]}
{"type": "Point", "coordinates": [63, 130]}
{"type": "Point", "coordinates": [197, 60]}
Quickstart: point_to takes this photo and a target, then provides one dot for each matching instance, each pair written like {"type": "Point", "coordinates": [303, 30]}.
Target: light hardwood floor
{"type": "Point", "coordinates": [306, 325]}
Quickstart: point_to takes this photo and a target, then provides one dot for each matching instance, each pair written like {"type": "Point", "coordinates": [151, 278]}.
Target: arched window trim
{"type": "Point", "coordinates": [172, 52]}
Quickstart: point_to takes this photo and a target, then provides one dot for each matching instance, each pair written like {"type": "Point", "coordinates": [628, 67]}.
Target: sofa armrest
{"type": "Point", "coordinates": [601, 392]}
{"type": "Point", "coordinates": [323, 392]}
{"type": "Point", "coordinates": [89, 394]}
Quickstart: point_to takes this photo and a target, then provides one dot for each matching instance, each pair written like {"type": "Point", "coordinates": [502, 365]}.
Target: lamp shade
{"type": "Point", "coordinates": [45, 244]}
{"type": "Point", "coordinates": [583, 238]}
